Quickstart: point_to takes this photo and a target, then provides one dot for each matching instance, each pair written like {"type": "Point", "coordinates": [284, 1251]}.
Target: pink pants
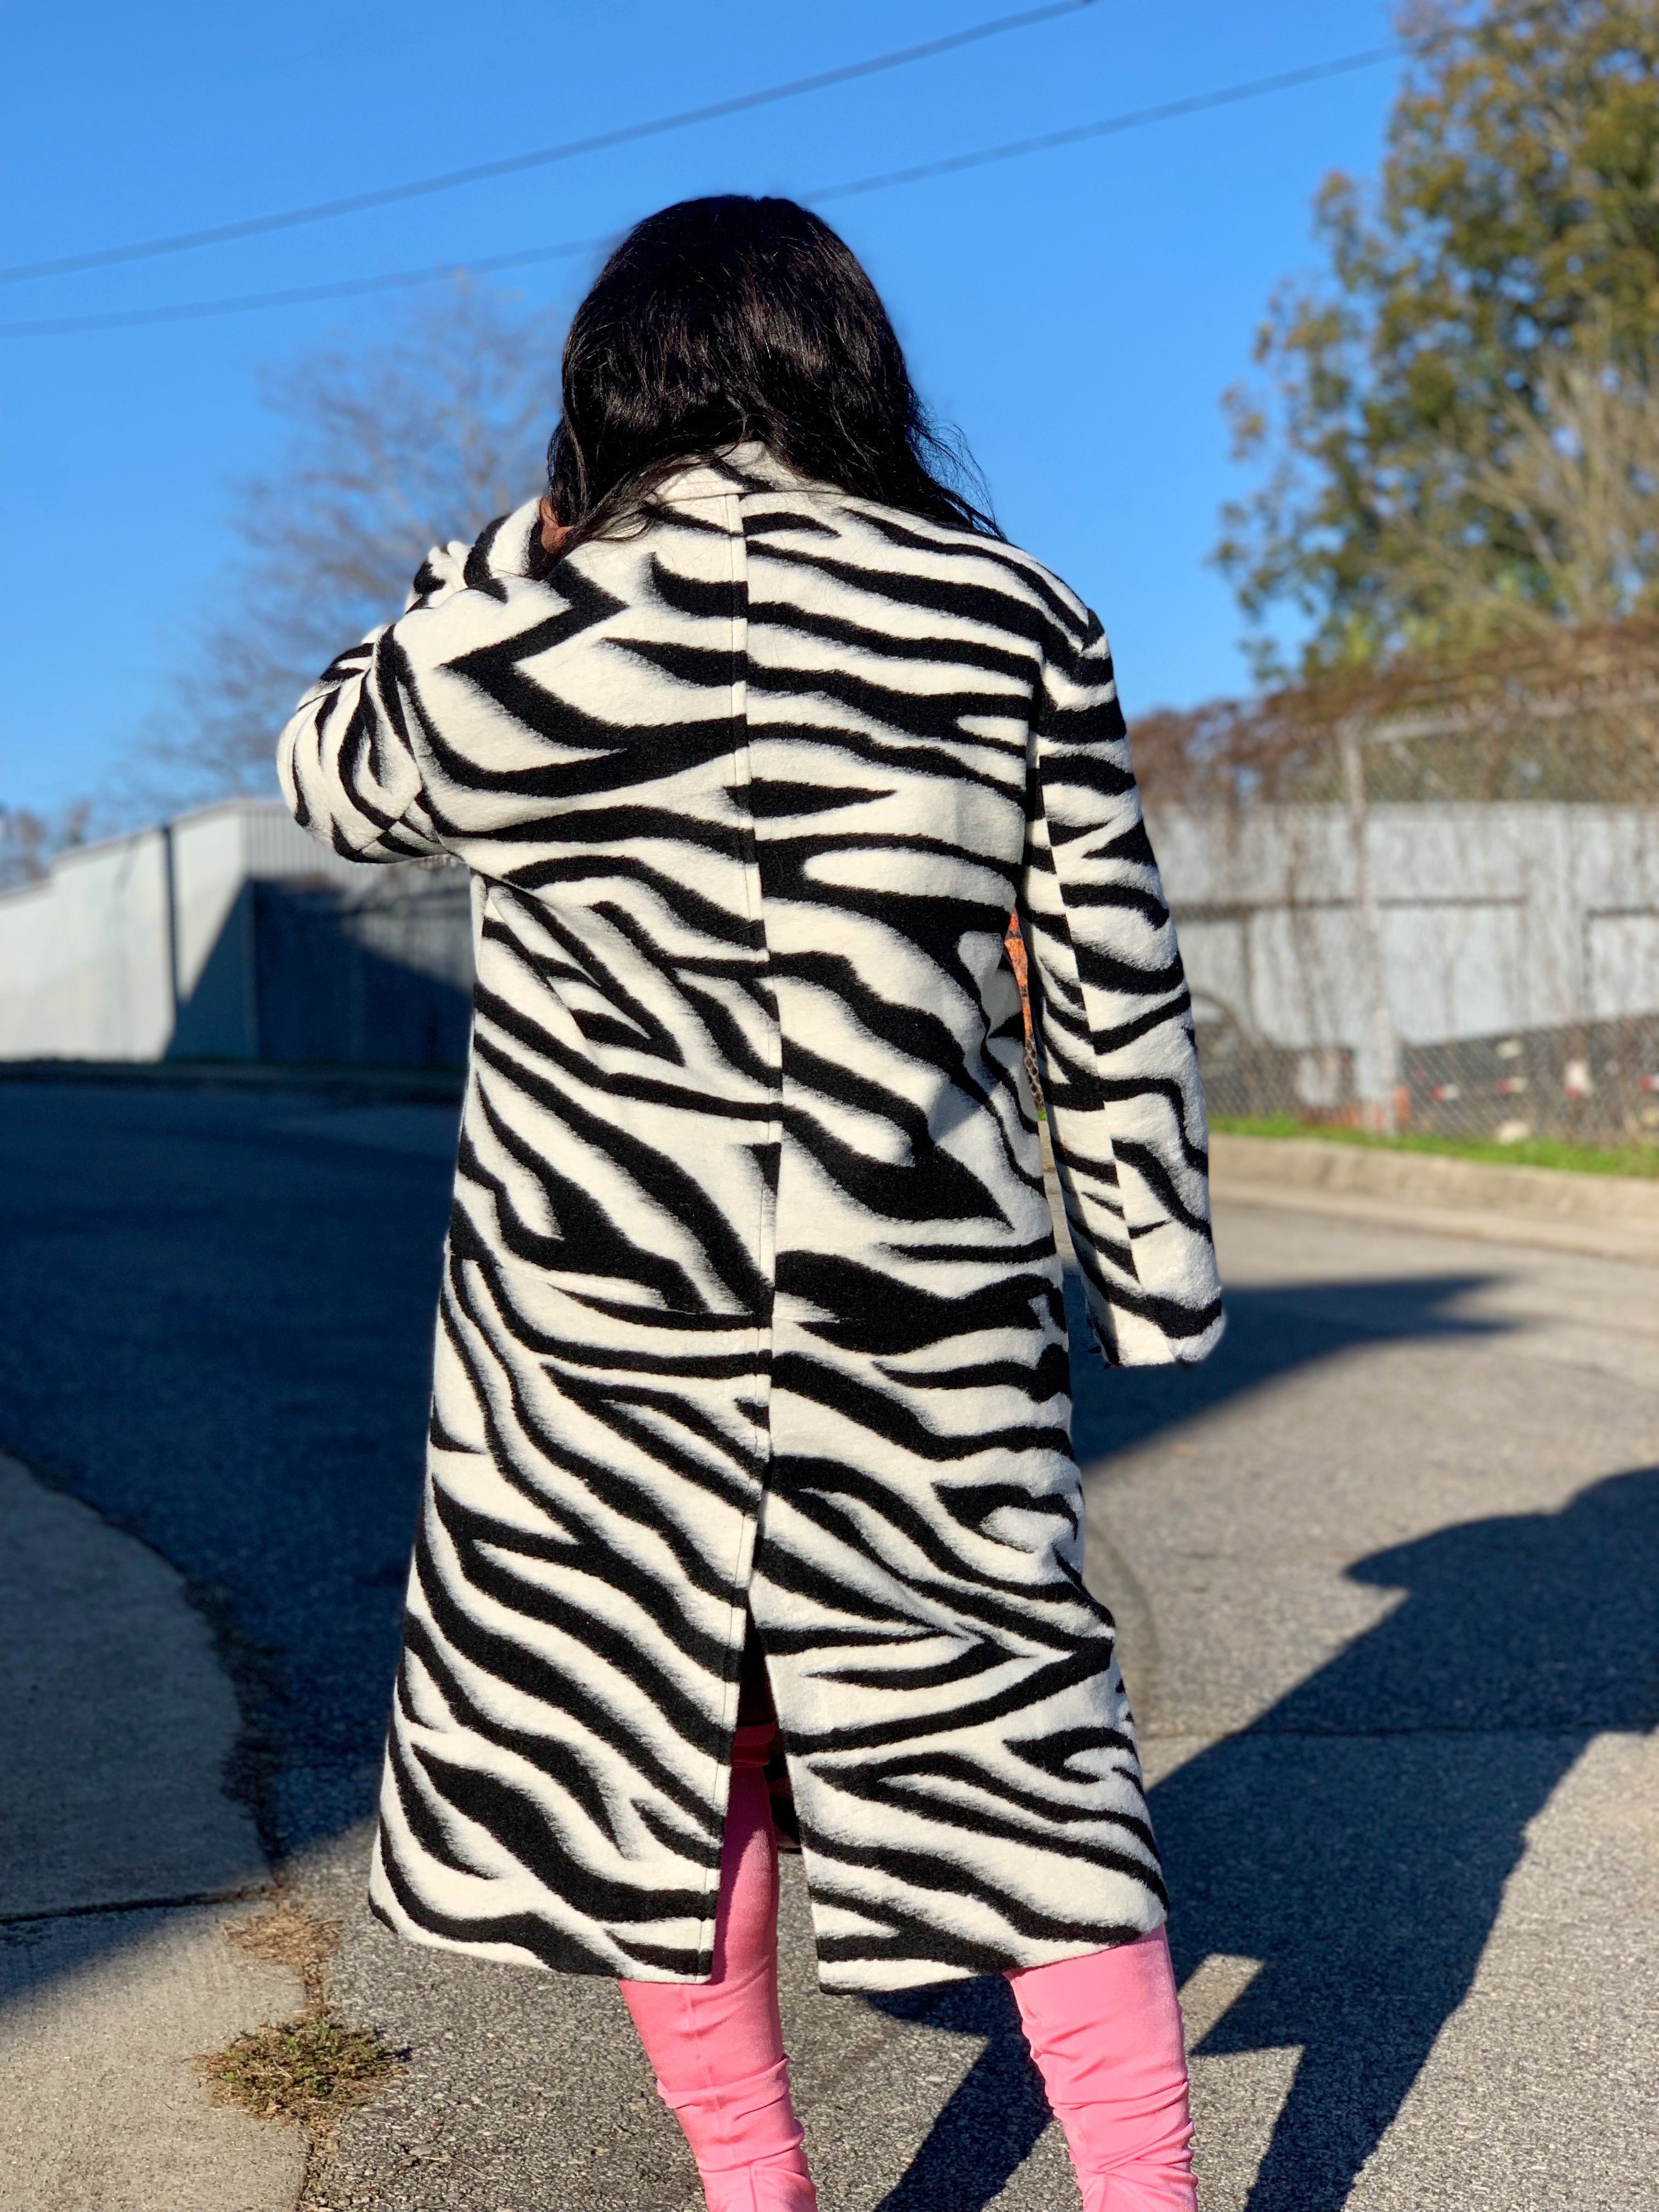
{"type": "Point", "coordinates": [1104, 2029]}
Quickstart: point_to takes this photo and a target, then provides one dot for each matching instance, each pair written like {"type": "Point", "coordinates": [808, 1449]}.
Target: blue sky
{"type": "Point", "coordinates": [1077, 313]}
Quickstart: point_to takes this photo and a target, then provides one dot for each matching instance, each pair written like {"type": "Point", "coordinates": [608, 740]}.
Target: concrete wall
{"type": "Point", "coordinates": [1491, 918]}
{"type": "Point", "coordinates": [83, 958]}
{"type": "Point", "coordinates": [231, 934]}
{"type": "Point", "coordinates": [147, 947]}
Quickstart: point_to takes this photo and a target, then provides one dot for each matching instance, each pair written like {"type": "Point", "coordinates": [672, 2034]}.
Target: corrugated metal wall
{"type": "Point", "coordinates": [383, 979]}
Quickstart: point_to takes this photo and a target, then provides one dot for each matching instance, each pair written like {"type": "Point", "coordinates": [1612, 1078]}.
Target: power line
{"type": "Point", "coordinates": [1014, 149]}
{"type": "Point", "coordinates": [191, 311]}
{"type": "Point", "coordinates": [542, 157]}
{"type": "Point", "coordinates": [1106, 128]}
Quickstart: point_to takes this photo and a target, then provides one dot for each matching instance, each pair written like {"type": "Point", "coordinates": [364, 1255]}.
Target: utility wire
{"type": "Point", "coordinates": [350, 288]}
{"type": "Point", "coordinates": [1108, 126]}
{"type": "Point", "coordinates": [512, 165]}
{"type": "Point", "coordinates": [1014, 149]}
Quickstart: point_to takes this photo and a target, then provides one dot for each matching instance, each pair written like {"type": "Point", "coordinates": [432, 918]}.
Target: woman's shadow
{"type": "Point", "coordinates": [1357, 1837]}
{"type": "Point", "coordinates": [1366, 1874]}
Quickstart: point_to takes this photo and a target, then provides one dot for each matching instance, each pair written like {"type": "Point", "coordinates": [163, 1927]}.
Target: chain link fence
{"type": "Point", "coordinates": [1590, 1082]}
{"type": "Point", "coordinates": [1427, 902]}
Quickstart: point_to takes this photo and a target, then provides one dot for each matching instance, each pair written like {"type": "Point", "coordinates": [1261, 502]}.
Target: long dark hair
{"type": "Point", "coordinates": [722, 320]}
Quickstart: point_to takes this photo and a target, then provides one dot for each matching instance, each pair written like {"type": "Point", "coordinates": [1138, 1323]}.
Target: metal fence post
{"type": "Point", "coordinates": [1351, 740]}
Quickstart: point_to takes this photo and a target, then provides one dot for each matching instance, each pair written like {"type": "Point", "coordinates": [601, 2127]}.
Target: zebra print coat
{"type": "Point", "coordinates": [750, 1300]}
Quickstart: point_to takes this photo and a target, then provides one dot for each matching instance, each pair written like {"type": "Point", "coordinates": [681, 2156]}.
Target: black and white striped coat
{"type": "Point", "coordinates": [750, 1295]}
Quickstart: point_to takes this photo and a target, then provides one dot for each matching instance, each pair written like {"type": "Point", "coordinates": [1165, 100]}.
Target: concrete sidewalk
{"type": "Point", "coordinates": [1611, 1217]}
{"type": "Point", "coordinates": [120, 1858]}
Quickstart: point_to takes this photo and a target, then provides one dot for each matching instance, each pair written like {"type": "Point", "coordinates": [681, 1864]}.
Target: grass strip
{"type": "Point", "coordinates": [1633, 1159]}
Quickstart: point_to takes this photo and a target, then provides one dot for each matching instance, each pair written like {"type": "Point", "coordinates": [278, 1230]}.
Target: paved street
{"type": "Point", "coordinates": [1386, 1572]}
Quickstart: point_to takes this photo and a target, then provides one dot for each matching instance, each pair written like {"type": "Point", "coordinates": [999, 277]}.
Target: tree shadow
{"type": "Point", "coordinates": [1357, 1837]}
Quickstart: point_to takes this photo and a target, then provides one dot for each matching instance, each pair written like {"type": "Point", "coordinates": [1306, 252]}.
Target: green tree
{"type": "Point", "coordinates": [1478, 352]}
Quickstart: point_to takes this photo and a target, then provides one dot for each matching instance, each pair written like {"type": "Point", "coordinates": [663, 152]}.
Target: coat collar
{"type": "Point", "coordinates": [747, 467]}
{"type": "Point", "coordinates": [504, 549]}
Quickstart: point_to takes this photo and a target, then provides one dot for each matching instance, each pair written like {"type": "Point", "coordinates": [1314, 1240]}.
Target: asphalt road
{"type": "Point", "coordinates": [1387, 1571]}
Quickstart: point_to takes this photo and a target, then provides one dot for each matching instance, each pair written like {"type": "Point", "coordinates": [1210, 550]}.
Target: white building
{"type": "Point", "coordinates": [230, 934]}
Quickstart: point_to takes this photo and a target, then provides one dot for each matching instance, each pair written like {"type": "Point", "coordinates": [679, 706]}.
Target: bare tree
{"type": "Point", "coordinates": [422, 437]}
{"type": "Point", "coordinates": [29, 841]}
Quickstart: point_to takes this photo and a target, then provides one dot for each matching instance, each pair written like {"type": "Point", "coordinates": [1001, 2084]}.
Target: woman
{"type": "Point", "coordinates": [751, 1482]}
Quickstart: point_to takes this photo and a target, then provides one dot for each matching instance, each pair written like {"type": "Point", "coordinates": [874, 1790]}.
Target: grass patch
{"type": "Point", "coordinates": [311, 2069]}
{"type": "Point", "coordinates": [1633, 1159]}
{"type": "Point", "coordinates": [289, 1937]}
{"type": "Point", "coordinates": [305, 2070]}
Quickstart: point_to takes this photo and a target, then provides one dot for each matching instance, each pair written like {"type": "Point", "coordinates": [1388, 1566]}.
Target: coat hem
{"type": "Point", "coordinates": [835, 1978]}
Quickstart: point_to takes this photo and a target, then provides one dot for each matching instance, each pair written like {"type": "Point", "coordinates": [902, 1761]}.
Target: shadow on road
{"type": "Point", "coordinates": [1366, 1872]}
{"type": "Point", "coordinates": [1356, 1838]}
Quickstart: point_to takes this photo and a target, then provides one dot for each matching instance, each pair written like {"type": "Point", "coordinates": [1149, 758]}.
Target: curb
{"type": "Point", "coordinates": [348, 1081]}
{"type": "Point", "coordinates": [1610, 1217]}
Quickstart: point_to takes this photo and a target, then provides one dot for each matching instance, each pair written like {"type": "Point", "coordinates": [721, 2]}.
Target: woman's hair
{"type": "Point", "coordinates": [722, 320]}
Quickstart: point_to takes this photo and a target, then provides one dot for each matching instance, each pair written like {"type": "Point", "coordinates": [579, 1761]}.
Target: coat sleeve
{"type": "Point", "coordinates": [349, 760]}
{"type": "Point", "coordinates": [1112, 1023]}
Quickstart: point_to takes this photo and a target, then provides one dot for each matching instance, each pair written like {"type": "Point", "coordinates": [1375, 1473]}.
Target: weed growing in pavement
{"type": "Point", "coordinates": [289, 1937]}
{"type": "Point", "coordinates": [305, 2070]}
{"type": "Point", "coordinates": [311, 2069]}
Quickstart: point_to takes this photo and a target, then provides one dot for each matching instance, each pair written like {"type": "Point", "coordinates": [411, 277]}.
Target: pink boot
{"type": "Point", "coordinates": [717, 2045]}
{"type": "Point", "coordinates": [1105, 2030]}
